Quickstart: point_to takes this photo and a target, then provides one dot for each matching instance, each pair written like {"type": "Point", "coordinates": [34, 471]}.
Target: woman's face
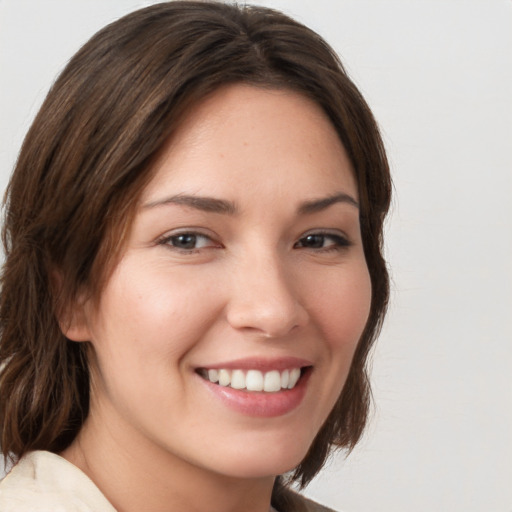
{"type": "Point", "coordinates": [244, 264]}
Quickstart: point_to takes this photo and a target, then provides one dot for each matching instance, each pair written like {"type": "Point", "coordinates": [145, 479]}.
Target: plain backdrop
{"type": "Point", "coordinates": [438, 75]}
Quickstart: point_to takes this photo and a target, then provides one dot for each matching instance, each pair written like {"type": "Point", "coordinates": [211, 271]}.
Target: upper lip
{"type": "Point", "coordinates": [260, 363]}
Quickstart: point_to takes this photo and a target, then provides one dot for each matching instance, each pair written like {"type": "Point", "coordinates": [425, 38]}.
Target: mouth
{"type": "Point", "coordinates": [258, 387]}
{"type": "Point", "coordinates": [271, 381]}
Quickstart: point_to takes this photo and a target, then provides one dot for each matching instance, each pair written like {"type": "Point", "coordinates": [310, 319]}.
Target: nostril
{"type": "Point", "coordinates": [264, 301]}
{"type": "Point", "coordinates": [267, 321]}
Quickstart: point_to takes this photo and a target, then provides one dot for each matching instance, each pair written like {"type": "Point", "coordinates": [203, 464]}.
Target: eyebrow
{"type": "Point", "coordinates": [214, 205]}
{"type": "Point", "coordinates": [317, 205]}
{"type": "Point", "coordinates": [206, 204]}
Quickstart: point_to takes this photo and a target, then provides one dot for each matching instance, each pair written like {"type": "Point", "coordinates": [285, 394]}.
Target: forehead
{"type": "Point", "coordinates": [247, 140]}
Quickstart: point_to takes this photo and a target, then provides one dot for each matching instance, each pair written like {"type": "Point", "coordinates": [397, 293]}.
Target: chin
{"type": "Point", "coordinates": [259, 460]}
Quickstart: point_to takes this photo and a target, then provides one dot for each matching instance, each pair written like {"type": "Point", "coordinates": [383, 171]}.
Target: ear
{"type": "Point", "coordinates": [72, 317]}
{"type": "Point", "coordinates": [73, 322]}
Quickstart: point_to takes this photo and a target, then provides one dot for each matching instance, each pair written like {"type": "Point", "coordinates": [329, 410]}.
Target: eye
{"type": "Point", "coordinates": [188, 241]}
{"type": "Point", "coordinates": [323, 241]}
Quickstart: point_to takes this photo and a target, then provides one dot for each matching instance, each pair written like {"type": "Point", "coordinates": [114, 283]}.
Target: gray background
{"type": "Point", "coordinates": [438, 76]}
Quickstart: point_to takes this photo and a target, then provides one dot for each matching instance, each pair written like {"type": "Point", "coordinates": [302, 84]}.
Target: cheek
{"type": "Point", "coordinates": [339, 311]}
{"type": "Point", "coordinates": [148, 321]}
{"type": "Point", "coordinates": [154, 309]}
{"type": "Point", "coordinates": [342, 308]}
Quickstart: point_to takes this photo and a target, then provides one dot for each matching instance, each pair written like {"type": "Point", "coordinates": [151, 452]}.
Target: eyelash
{"type": "Point", "coordinates": [340, 242]}
{"type": "Point", "coordinates": [169, 239]}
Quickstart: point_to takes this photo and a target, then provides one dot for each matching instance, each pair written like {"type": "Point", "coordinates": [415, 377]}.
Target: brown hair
{"type": "Point", "coordinates": [86, 159]}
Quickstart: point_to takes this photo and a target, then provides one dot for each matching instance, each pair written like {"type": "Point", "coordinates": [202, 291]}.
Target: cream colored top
{"type": "Point", "coordinates": [44, 482]}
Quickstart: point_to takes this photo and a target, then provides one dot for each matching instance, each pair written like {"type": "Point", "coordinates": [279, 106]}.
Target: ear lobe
{"type": "Point", "coordinates": [72, 317]}
{"type": "Point", "coordinates": [73, 323]}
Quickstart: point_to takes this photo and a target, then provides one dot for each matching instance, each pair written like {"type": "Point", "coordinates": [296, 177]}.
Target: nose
{"type": "Point", "coordinates": [264, 299]}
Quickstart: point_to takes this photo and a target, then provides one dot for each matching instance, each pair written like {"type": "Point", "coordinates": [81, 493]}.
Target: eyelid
{"type": "Point", "coordinates": [333, 233]}
{"type": "Point", "coordinates": [326, 232]}
{"type": "Point", "coordinates": [340, 238]}
{"type": "Point", "coordinates": [165, 238]}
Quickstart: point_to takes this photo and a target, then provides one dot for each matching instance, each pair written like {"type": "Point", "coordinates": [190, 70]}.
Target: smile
{"type": "Point", "coordinates": [253, 380]}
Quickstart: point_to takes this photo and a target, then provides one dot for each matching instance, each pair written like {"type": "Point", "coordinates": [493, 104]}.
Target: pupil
{"type": "Point", "coordinates": [186, 241]}
{"type": "Point", "coordinates": [315, 241]}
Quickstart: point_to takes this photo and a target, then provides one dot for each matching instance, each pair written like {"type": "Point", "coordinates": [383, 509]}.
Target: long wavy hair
{"type": "Point", "coordinates": [88, 156]}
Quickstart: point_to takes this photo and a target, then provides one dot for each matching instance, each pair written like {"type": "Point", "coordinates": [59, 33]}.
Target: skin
{"type": "Point", "coordinates": [254, 285]}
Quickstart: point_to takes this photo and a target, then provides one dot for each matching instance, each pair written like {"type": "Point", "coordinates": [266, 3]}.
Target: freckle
{"type": "Point", "coordinates": [246, 143]}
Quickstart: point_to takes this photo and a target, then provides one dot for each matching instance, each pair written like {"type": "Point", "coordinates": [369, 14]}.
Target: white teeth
{"type": "Point", "coordinates": [285, 378]}
{"type": "Point", "coordinates": [224, 377]}
{"type": "Point", "coordinates": [294, 377]}
{"type": "Point", "coordinates": [238, 379]}
{"type": "Point", "coordinates": [213, 375]}
{"type": "Point", "coordinates": [272, 381]}
{"type": "Point", "coordinates": [254, 380]}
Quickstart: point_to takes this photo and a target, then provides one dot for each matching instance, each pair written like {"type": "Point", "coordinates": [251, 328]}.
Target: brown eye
{"type": "Point", "coordinates": [184, 241]}
{"type": "Point", "coordinates": [322, 241]}
{"type": "Point", "coordinates": [188, 241]}
{"type": "Point", "coordinates": [313, 241]}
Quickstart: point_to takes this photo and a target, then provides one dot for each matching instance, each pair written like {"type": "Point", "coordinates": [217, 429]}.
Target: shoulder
{"type": "Point", "coordinates": [290, 501]}
{"type": "Point", "coordinates": [44, 482]}
{"type": "Point", "coordinates": [313, 506]}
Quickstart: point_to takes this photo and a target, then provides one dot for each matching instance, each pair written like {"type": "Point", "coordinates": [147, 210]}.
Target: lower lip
{"type": "Point", "coordinates": [259, 403]}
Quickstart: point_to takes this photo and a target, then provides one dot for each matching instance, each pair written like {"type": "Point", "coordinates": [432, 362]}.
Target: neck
{"type": "Point", "coordinates": [136, 474]}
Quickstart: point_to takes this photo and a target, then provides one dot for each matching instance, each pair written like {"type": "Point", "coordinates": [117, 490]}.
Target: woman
{"type": "Point", "coordinates": [193, 273]}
